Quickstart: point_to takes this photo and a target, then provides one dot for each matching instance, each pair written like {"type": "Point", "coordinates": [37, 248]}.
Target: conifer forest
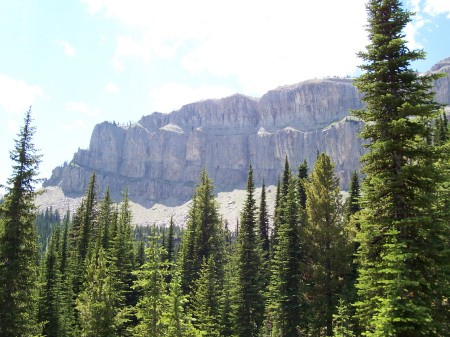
{"type": "Point", "coordinates": [373, 264]}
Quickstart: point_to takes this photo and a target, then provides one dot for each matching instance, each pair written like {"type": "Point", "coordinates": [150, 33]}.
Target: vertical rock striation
{"type": "Point", "coordinates": [160, 157]}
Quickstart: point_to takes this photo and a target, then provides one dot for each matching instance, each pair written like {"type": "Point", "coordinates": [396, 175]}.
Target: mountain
{"type": "Point", "coordinates": [160, 157]}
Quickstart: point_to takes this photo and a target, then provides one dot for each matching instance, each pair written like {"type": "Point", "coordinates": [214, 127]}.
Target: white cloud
{"type": "Point", "coordinates": [436, 7]}
{"type": "Point", "coordinates": [17, 95]}
{"type": "Point", "coordinates": [173, 96]}
{"type": "Point", "coordinates": [263, 44]}
{"type": "Point", "coordinates": [112, 88]}
{"type": "Point", "coordinates": [81, 107]}
{"type": "Point", "coordinates": [69, 50]}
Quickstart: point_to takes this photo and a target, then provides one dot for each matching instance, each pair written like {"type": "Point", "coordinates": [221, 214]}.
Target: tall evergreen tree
{"type": "Point", "coordinates": [152, 305]}
{"type": "Point", "coordinates": [104, 220]}
{"type": "Point", "coordinates": [18, 240]}
{"type": "Point", "coordinates": [403, 254]}
{"type": "Point", "coordinates": [203, 235]}
{"type": "Point", "coordinates": [263, 224]}
{"type": "Point", "coordinates": [284, 307]}
{"type": "Point", "coordinates": [50, 293]}
{"type": "Point", "coordinates": [97, 303]}
{"type": "Point", "coordinates": [352, 204]}
{"type": "Point", "coordinates": [121, 259]}
{"type": "Point", "coordinates": [206, 298]}
{"type": "Point", "coordinates": [177, 322]}
{"type": "Point", "coordinates": [248, 299]}
{"type": "Point", "coordinates": [330, 249]}
{"type": "Point", "coordinates": [302, 177]}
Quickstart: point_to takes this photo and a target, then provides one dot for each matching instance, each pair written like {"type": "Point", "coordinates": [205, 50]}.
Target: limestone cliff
{"type": "Point", "coordinates": [160, 157]}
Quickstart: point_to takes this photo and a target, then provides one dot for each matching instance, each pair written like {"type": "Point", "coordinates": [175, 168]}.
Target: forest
{"type": "Point", "coordinates": [374, 264]}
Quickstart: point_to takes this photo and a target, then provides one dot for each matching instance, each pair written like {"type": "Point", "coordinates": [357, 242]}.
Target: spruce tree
{"type": "Point", "coordinates": [175, 319]}
{"type": "Point", "coordinates": [285, 304]}
{"type": "Point", "coordinates": [328, 243]}
{"type": "Point", "coordinates": [248, 298]}
{"type": "Point", "coordinates": [97, 302]}
{"type": "Point", "coordinates": [403, 254]}
{"type": "Point", "coordinates": [352, 205]}
{"type": "Point", "coordinates": [153, 303]}
{"type": "Point", "coordinates": [302, 177]}
{"type": "Point", "coordinates": [263, 224]}
{"type": "Point", "coordinates": [203, 236]}
{"type": "Point", "coordinates": [18, 240]}
{"type": "Point", "coordinates": [206, 298]}
{"type": "Point", "coordinates": [50, 293]}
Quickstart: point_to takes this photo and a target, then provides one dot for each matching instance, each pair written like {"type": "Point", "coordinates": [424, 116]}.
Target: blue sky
{"type": "Point", "coordinates": [81, 62]}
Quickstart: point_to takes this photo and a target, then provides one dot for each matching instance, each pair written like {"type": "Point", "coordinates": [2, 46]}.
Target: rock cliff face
{"type": "Point", "coordinates": [160, 157]}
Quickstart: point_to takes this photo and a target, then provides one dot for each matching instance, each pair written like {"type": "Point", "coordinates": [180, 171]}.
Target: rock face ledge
{"type": "Point", "coordinates": [160, 157]}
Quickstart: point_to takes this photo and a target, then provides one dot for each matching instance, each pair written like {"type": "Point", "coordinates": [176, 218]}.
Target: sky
{"type": "Point", "coordinates": [81, 62]}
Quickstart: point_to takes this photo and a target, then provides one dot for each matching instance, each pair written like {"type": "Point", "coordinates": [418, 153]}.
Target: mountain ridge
{"type": "Point", "coordinates": [160, 157]}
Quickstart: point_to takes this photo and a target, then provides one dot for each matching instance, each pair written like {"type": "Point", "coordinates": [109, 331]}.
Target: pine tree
{"type": "Point", "coordinates": [97, 302]}
{"type": "Point", "coordinates": [50, 293]}
{"type": "Point", "coordinates": [104, 220]}
{"type": "Point", "coordinates": [150, 281]}
{"type": "Point", "coordinates": [284, 306]}
{"type": "Point", "coordinates": [203, 235]}
{"type": "Point", "coordinates": [18, 240]}
{"type": "Point", "coordinates": [121, 259]}
{"type": "Point", "coordinates": [206, 298]}
{"type": "Point", "coordinates": [342, 321]}
{"type": "Point", "coordinates": [330, 249]}
{"type": "Point", "coordinates": [352, 205]}
{"type": "Point", "coordinates": [177, 322]}
{"type": "Point", "coordinates": [403, 253]}
{"type": "Point", "coordinates": [248, 299]}
{"type": "Point", "coordinates": [263, 224]}
{"type": "Point", "coordinates": [302, 177]}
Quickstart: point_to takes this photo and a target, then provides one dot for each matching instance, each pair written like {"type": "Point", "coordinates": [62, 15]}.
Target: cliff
{"type": "Point", "coordinates": [160, 157]}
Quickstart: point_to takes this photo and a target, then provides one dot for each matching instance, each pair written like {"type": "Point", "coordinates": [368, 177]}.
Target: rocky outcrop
{"type": "Point", "coordinates": [160, 157]}
{"type": "Point", "coordinates": [442, 85]}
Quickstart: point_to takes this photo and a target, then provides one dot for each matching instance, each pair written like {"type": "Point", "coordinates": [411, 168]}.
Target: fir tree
{"type": "Point", "coordinates": [403, 254]}
{"type": "Point", "coordinates": [18, 240]}
{"type": "Point", "coordinates": [50, 298]}
{"type": "Point", "coordinates": [248, 299]}
{"type": "Point", "coordinates": [97, 302]}
{"type": "Point", "coordinates": [104, 220]}
{"type": "Point", "coordinates": [206, 298]}
{"type": "Point", "coordinates": [177, 322]}
{"type": "Point", "coordinates": [330, 249]}
{"type": "Point", "coordinates": [352, 205]}
{"type": "Point", "coordinates": [302, 177]}
{"type": "Point", "coordinates": [150, 281]}
{"type": "Point", "coordinates": [263, 224]}
{"type": "Point", "coordinates": [284, 307]}
{"type": "Point", "coordinates": [202, 237]}
{"type": "Point", "coordinates": [121, 259]}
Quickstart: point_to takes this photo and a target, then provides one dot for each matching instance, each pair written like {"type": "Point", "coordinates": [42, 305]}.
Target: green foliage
{"type": "Point", "coordinates": [45, 222]}
{"type": "Point", "coordinates": [18, 240]}
{"type": "Point", "coordinates": [177, 322]}
{"type": "Point", "coordinates": [151, 281]}
{"type": "Point", "coordinates": [328, 244]}
{"type": "Point", "coordinates": [97, 302]}
{"type": "Point", "coordinates": [248, 301]}
{"type": "Point", "coordinates": [206, 299]}
{"type": "Point", "coordinates": [403, 279]}
{"type": "Point", "coordinates": [342, 326]}
{"type": "Point", "coordinates": [203, 236]}
{"type": "Point", "coordinates": [50, 289]}
{"type": "Point", "coordinates": [284, 307]}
